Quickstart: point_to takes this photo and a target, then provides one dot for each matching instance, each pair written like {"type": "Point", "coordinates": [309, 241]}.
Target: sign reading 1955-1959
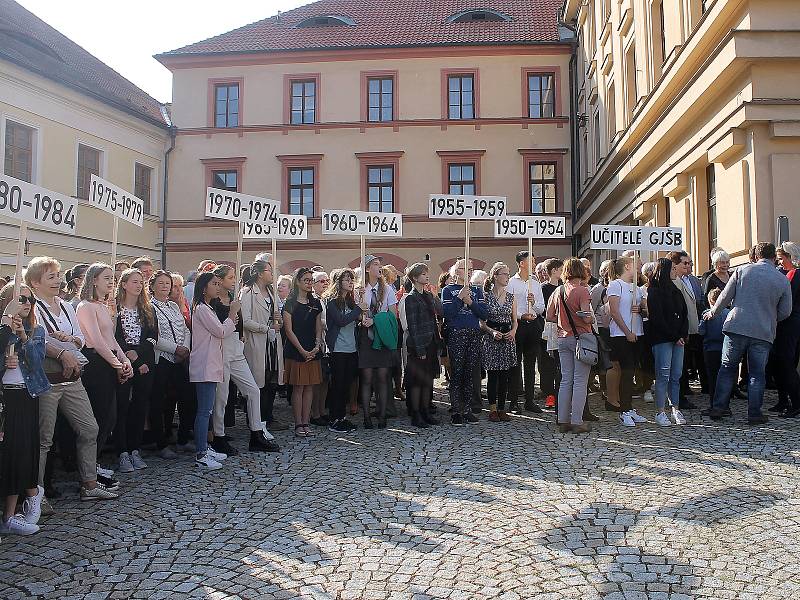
{"type": "Point", "coordinates": [530, 227]}
{"type": "Point", "coordinates": [357, 222]}
{"type": "Point", "coordinates": [36, 205]}
{"type": "Point", "coordinates": [233, 206]}
{"type": "Point", "coordinates": [112, 199]}
{"type": "Point", "coordinates": [466, 207]}
{"type": "Point", "coordinates": [287, 227]}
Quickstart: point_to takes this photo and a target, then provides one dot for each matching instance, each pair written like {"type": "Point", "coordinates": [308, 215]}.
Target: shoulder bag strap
{"type": "Point", "coordinates": [569, 312]}
{"type": "Point", "coordinates": [169, 322]}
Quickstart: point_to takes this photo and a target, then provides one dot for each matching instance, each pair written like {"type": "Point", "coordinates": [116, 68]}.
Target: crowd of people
{"type": "Point", "coordinates": [100, 358]}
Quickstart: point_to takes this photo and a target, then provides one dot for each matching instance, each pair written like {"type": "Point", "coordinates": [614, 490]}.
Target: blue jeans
{"type": "Point", "coordinates": [206, 393]}
{"type": "Point", "coordinates": [733, 348]}
{"type": "Point", "coordinates": [668, 358]}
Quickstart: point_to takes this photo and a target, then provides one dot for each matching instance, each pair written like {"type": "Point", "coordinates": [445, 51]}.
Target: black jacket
{"type": "Point", "coordinates": [667, 315]}
{"type": "Point", "coordinates": [145, 350]}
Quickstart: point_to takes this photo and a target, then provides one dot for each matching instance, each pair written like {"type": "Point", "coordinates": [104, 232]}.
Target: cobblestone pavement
{"type": "Point", "coordinates": [508, 510]}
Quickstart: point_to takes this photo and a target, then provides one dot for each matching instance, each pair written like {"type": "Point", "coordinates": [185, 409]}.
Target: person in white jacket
{"type": "Point", "coordinates": [263, 347]}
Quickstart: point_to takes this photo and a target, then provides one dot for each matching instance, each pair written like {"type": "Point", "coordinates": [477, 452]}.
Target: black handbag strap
{"type": "Point", "coordinates": [569, 312]}
{"type": "Point", "coordinates": [169, 322]}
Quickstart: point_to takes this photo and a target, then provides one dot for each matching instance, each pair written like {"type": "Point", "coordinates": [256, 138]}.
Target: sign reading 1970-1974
{"type": "Point", "coordinates": [36, 205]}
{"type": "Point", "coordinates": [233, 206]}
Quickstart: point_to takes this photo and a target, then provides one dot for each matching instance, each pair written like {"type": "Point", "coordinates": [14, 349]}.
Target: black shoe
{"type": "Point", "coordinates": [457, 420]}
{"type": "Point", "coordinates": [382, 423]}
{"type": "Point", "coordinates": [713, 414]}
{"type": "Point", "coordinates": [684, 404]}
{"type": "Point", "coordinates": [432, 410]}
{"type": "Point", "coordinates": [612, 407]}
{"type": "Point", "coordinates": [429, 419]}
{"type": "Point", "coordinates": [469, 419]}
{"type": "Point", "coordinates": [533, 407]}
{"type": "Point", "coordinates": [759, 420]}
{"type": "Point", "coordinates": [259, 443]}
{"type": "Point", "coordinates": [514, 407]}
{"type": "Point", "coordinates": [418, 421]}
{"type": "Point", "coordinates": [791, 413]}
{"type": "Point", "coordinates": [368, 423]}
{"type": "Point", "coordinates": [590, 417]}
{"type": "Point", "coordinates": [221, 444]}
{"type": "Point", "coordinates": [322, 421]}
{"type": "Point", "coordinates": [779, 407]}
{"type": "Point", "coordinates": [111, 483]}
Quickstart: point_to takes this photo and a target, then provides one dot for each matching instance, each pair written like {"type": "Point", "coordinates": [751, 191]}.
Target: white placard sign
{"type": "Point", "coordinates": [627, 237]}
{"type": "Point", "coordinates": [287, 227]}
{"type": "Point", "coordinates": [36, 205]}
{"type": "Point", "coordinates": [530, 227]}
{"type": "Point", "coordinates": [357, 222]}
{"type": "Point", "coordinates": [442, 206]}
{"type": "Point", "coordinates": [233, 206]}
{"type": "Point", "coordinates": [113, 199]}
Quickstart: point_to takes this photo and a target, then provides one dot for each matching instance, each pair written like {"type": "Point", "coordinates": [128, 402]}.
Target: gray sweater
{"type": "Point", "coordinates": [761, 297]}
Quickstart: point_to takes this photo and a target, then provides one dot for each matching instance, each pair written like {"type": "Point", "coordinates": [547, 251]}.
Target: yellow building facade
{"type": "Point", "coordinates": [689, 115]}
{"type": "Point", "coordinates": [333, 124]}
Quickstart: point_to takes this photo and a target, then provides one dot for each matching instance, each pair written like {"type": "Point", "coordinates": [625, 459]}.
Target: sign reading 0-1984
{"type": "Point", "coordinates": [37, 205]}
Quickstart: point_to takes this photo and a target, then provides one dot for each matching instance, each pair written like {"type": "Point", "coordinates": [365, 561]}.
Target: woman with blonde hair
{"type": "Point", "coordinates": [499, 346]}
{"type": "Point", "coordinates": [136, 333]}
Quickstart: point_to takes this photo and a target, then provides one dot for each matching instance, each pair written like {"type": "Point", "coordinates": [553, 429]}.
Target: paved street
{"type": "Point", "coordinates": [491, 511]}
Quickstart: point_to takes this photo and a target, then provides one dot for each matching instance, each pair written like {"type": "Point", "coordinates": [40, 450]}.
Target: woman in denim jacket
{"type": "Point", "coordinates": [23, 381]}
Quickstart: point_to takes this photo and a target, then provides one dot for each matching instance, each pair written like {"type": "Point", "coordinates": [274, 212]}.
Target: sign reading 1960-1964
{"type": "Point", "coordinates": [37, 205]}
{"type": "Point", "coordinates": [442, 206]}
{"type": "Point", "coordinates": [286, 227]}
{"type": "Point", "coordinates": [233, 206]}
{"type": "Point", "coordinates": [113, 199]}
{"type": "Point", "coordinates": [530, 227]}
{"type": "Point", "coordinates": [357, 222]}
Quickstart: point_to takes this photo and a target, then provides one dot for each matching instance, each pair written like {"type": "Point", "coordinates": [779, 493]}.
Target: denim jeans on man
{"type": "Point", "coordinates": [206, 392]}
{"type": "Point", "coordinates": [733, 348]}
{"type": "Point", "coordinates": [668, 358]}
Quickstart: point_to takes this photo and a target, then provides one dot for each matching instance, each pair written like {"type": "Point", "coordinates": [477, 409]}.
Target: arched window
{"type": "Point", "coordinates": [327, 21]}
{"type": "Point", "coordinates": [478, 15]}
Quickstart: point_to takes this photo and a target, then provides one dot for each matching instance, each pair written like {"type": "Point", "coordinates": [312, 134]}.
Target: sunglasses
{"type": "Point", "coordinates": [26, 299]}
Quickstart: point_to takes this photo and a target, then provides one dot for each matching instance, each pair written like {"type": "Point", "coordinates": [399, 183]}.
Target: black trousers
{"type": "Point", "coordinates": [547, 371]}
{"type": "Point", "coordinates": [624, 352]}
{"type": "Point", "coordinates": [693, 360]}
{"type": "Point", "coordinates": [784, 354]}
{"type": "Point", "coordinates": [133, 400]}
{"type": "Point", "coordinates": [171, 388]}
{"type": "Point", "coordinates": [529, 338]}
{"type": "Point", "coordinates": [100, 380]}
{"type": "Point", "coordinates": [713, 361]}
{"type": "Point", "coordinates": [497, 388]}
{"type": "Point", "coordinates": [344, 371]}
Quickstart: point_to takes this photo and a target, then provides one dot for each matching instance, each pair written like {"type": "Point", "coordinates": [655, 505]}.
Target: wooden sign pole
{"type": "Point", "coordinates": [114, 238]}
{"type": "Point", "coordinates": [466, 252]}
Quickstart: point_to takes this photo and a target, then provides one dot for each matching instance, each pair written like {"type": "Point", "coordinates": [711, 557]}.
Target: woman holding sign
{"type": "Point", "coordinates": [377, 351]}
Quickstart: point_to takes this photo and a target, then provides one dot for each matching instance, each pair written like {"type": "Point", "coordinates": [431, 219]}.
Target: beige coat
{"type": "Point", "coordinates": [258, 331]}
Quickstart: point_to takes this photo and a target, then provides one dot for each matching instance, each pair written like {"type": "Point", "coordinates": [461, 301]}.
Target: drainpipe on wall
{"type": "Point", "coordinates": [574, 132]}
{"type": "Point", "coordinates": [172, 130]}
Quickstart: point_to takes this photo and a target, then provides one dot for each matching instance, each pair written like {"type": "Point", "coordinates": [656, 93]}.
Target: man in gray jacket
{"type": "Point", "coordinates": [761, 297]}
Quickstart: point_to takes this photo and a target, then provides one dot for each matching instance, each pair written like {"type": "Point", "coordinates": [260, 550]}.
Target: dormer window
{"type": "Point", "coordinates": [478, 15]}
{"type": "Point", "coordinates": [327, 21]}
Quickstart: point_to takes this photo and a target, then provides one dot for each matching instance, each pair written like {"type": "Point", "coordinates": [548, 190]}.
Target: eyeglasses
{"type": "Point", "coordinates": [26, 300]}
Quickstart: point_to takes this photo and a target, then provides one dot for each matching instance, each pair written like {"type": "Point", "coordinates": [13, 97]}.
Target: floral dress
{"type": "Point", "coordinates": [499, 355]}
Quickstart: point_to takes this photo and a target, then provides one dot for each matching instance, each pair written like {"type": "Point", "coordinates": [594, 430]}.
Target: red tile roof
{"type": "Point", "coordinates": [389, 23]}
{"type": "Point", "coordinates": [32, 44]}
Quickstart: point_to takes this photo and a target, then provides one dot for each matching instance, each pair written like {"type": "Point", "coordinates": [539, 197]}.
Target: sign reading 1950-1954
{"type": "Point", "coordinates": [287, 227]}
{"type": "Point", "coordinates": [233, 206]}
{"type": "Point", "coordinates": [530, 227]}
{"type": "Point", "coordinates": [36, 205]}
{"type": "Point", "coordinates": [112, 199]}
{"type": "Point", "coordinates": [466, 207]}
{"type": "Point", "coordinates": [357, 222]}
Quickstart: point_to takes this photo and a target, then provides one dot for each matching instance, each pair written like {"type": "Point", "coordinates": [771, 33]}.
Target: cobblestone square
{"type": "Point", "coordinates": [507, 510]}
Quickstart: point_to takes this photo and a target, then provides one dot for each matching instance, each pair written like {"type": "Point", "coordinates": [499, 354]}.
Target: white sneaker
{"type": "Point", "coordinates": [136, 460]}
{"type": "Point", "coordinates": [625, 420]}
{"type": "Point", "coordinates": [104, 472]}
{"type": "Point", "coordinates": [663, 420]}
{"type": "Point", "coordinates": [98, 492]}
{"type": "Point", "coordinates": [207, 461]}
{"type": "Point", "coordinates": [32, 507]}
{"type": "Point", "coordinates": [217, 456]}
{"type": "Point", "coordinates": [648, 396]}
{"type": "Point", "coordinates": [637, 418]}
{"type": "Point", "coordinates": [17, 525]}
{"type": "Point", "coordinates": [125, 463]}
{"type": "Point", "coordinates": [678, 416]}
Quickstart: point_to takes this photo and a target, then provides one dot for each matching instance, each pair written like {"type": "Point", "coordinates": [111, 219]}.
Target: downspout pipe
{"type": "Point", "coordinates": [574, 131]}
{"type": "Point", "coordinates": [172, 131]}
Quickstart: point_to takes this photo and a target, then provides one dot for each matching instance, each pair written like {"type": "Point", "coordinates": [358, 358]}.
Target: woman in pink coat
{"type": "Point", "coordinates": [205, 361]}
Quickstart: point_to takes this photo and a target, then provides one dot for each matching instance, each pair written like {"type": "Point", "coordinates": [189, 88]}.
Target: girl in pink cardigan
{"type": "Point", "coordinates": [206, 362]}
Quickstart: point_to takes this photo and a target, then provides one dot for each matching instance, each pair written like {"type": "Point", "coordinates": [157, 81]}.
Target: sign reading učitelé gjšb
{"type": "Point", "coordinates": [627, 237]}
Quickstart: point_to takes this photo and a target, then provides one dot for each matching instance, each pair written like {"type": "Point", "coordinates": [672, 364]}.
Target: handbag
{"type": "Point", "coordinates": [586, 350]}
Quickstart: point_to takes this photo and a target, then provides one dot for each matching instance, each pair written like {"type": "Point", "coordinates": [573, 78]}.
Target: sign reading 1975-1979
{"type": "Point", "coordinates": [36, 205]}
{"type": "Point", "coordinates": [113, 199]}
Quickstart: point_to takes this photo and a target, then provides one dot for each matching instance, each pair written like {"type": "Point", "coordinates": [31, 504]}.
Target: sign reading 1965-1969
{"type": "Point", "coordinates": [530, 227]}
{"type": "Point", "coordinates": [442, 206]}
{"type": "Point", "coordinates": [287, 227]}
{"type": "Point", "coordinates": [37, 205]}
{"type": "Point", "coordinates": [357, 222]}
{"type": "Point", "coordinates": [112, 199]}
{"type": "Point", "coordinates": [233, 206]}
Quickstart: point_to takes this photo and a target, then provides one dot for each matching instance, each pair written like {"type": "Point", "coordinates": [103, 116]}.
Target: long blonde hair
{"type": "Point", "coordinates": [143, 304]}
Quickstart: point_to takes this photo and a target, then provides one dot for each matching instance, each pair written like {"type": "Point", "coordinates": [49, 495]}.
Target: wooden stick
{"type": "Point", "coordinates": [275, 275]}
{"type": "Point", "coordinates": [114, 238]}
{"type": "Point", "coordinates": [530, 272]}
{"type": "Point", "coordinates": [466, 253]}
{"type": "Point", "coordinates": [239, 243]}
{"type": "Point", "coordinates": [23, 233]}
